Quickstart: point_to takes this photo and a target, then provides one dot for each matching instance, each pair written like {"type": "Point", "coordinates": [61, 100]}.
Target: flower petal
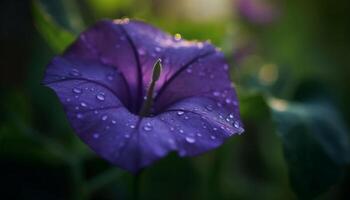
{"type": "Point", "coordinates": [101, 80]}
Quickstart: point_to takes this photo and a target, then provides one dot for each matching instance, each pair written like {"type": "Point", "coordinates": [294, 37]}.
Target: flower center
{"type": "Point", "coordinates": [147, 104]}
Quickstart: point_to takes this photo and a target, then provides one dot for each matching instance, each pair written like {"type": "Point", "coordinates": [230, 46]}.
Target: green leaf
{"type": "Point", "coordinates": [56, 36]}
{"type": "Point", "coordinates": [315, 143]}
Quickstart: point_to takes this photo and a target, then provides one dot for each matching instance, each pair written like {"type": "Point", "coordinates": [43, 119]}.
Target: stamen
{"type": "Point", "coordinates": [147, 105]}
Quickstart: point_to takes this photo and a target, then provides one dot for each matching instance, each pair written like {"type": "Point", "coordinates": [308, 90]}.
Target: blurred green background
{"type": "Point", "coordinates": [290, 62]}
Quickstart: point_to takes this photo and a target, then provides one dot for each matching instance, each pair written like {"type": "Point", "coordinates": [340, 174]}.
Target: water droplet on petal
{"type": "Point", "coordinates": [199, 134]}
{"type": "Point", "coordinates": [212, 137]}
{"type": "Point", "coordinates": [189, 70]}
{"type": "Point", "coordinates": [96, 135]}
{"type": "Point", "coordinates": [110, 77]}
{"type": "Point", "coordinates": [235, 103]}
{"type": "Point", "coordinates": [190, 140]}
{"type": "Point", "coordinates": [141, 51]}
{"type": "Point", "coordinates": [158, 49]}
{"type": "Point", "coordinates": [75, 72]}
{"type": "Point", "coordinates": [180, 113]}
{"type": "Point", "coordinates": [215, 129]}
{"type": "Point", "coordinates": [228, 100]}
{"type": "Point", "coordinates": [77, 90]}
{"type": "Point", "coordinates": [79, 116]}
{"type": "Point", "coordinates": [181, 131]}
{"type": "Point", "coordinates": [186, 117]}
{"type": "Point", "coordinates": [127, 136]}
{"type": "Point", "coordinates": [132, 126]}
{"type": "Point", "coordinates": [68, 99]}
{"type": "Point", "coordinates": [172, 128]}
{"type": "Point", "coordinates": [236, 124]}
{"type": "Point", "coordinates": [177, 36]}
{"type": "Point", "coordinates": [114, 122]}
{"type": "Point", "coordinates": [100, 96]}
{"type": "Point", "coordinates": [83, 104]}
{"type": "Point", "coordinates": [104, 117]}
{"type": "Point", "coordinates": [209, 107]}
{"type": "Point", "coordinates": [216, 93]}
{"type": "Point", "coordinates": [147, 127]}
{"type": "Point", "coordinates": [226, 67]}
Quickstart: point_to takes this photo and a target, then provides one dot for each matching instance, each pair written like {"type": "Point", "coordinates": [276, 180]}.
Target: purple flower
{"type": "Point", "coordinates": [257, 11]}
{"type": "Point", "coordinates": [102, 79]}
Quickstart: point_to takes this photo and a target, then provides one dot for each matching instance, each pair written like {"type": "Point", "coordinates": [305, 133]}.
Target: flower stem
{"type": "Point", "coordinates": [136, 187]}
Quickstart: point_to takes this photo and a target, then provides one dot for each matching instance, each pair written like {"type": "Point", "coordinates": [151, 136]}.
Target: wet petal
{"type": "Point", "coordinates": [101, 80]}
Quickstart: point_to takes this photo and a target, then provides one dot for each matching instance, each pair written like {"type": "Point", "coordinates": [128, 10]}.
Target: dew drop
{"type": "Point", "coordinates": [100, 96]}
{"type": "Point", "coordinates": [199, 134]}
{"type": "Point", "coordinates": [172, 128]}
{"type": "Point", "coordinates": [141, 51]}
{"type": "Point", "coordinates": [209, 107]}
{"type": "Point", "coordinates": [68, 99]}
{"type": "Point", "coordinates": [158, 49]}
{"type": "Point", "coordinates": [216, 93]}
{"type": "Point", "coordinates": [127, 136]}
{"type": "Point", "coordinates": [190, 140]}
{"type": "Point", "coordinates": [181, 131]}
{"type": "Point", "coordinates": [96, 112]}
{"type": "Point", "coordinates": [171, 141]}
{"type": "Point", "coordinates": [95, 135]}
{"type": "Point", "coordinates": [177, 37]}
{"type": "Point", "coordinates": [77, 90]}
{"type": "Point", "coordinates": [147, 127]}
{"type": "Point", "coordinates": [186, 117]}
{"type": "Point", "coordinates": [79, 116]}
{"type": "Point", "coordinates": [114, 122]}
{"type": "Point", "coordinates": [110, 77]}
{"type": "Point", "coordinates": [212, 137]}
{"type": "Point", "coordinates": [104, 117]}
{"type": "Point", "coordinates": [132, 126]}
{"type": "Point", "coordinates": [189, 70]}
{"type": "Point", "coordinates": [180, 113]}
{"type": "Point", "coordinates": [226, 67]}
{"type": "Point", "coordinates": [236, 124]}
{"type": "Point", "coordinates": [75, 72]}
{"type": "Point", "coordinates": [83, 104]}
{"type": "Point", "coordinates": [219, 104]}
{"type": "Point", "coordinates": [228, 100]}
{"type": "Point", "coordinates": [215, 129]}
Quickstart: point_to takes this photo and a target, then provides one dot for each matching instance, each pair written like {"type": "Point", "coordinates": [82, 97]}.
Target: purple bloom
{"type": "Point", "coordinates": [102, 79]}
{"type": "Point", "coordinates": [257, 11]}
